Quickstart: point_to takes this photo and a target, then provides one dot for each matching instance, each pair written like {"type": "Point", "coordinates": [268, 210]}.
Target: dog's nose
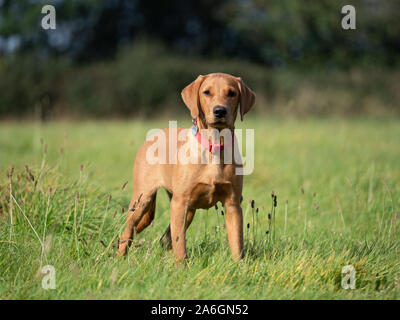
{"type": "Point", "coordinates": [219, 111]}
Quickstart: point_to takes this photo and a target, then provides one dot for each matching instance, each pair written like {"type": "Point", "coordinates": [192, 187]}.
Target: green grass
{"type": "Point", "coordinates": [337, 183]}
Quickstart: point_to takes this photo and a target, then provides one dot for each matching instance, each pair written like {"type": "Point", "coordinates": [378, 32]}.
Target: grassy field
{"type": "Point", "coordinates": [338, 192]}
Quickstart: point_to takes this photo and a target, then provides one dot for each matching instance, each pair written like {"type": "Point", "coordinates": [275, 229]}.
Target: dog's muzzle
{"type": "Point", "coordinates": [219, 111]}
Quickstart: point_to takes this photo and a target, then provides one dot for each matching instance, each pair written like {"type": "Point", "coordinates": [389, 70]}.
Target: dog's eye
{"type": "Point", "coordinates": [231, 93]}
{"type": "Point", "coordinates": [207, 92]}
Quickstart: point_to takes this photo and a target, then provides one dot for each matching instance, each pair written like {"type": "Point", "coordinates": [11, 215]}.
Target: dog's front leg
{"type": "Point", "coordinates": [179, 213]}
{"type": "Point", "coordinates": [234, 229]}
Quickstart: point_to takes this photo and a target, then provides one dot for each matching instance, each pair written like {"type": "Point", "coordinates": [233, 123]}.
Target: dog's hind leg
{"type": "Point", "coordinates": [148, 216]}
{"type": "Point", "coordinates": [137, 209]}
{"type": "Point", "coordinates": [165, 240]}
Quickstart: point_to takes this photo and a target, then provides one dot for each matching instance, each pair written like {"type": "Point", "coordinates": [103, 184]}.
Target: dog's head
{"type": "Point", "coordinates": [216, 98]}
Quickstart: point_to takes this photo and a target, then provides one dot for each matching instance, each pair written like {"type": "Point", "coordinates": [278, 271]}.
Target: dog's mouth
{"type": "Point", "coordinates": [218, 124]}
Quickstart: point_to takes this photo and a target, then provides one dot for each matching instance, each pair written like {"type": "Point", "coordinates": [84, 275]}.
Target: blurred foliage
{"type": "Point", "coordinates": [120, 57]}
{"type": "Point", "coordinates": [146, 80]}
{"type": "Point", "coordinates": [270, 32]}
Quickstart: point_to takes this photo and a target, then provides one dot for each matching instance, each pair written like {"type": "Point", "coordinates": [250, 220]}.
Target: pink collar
{"type": "Point", "coordinates": [212, 147]}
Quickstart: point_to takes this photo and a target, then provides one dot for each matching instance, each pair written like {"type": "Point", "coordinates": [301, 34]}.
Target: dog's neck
{"type": "Point", "coordinates": [207, 141]}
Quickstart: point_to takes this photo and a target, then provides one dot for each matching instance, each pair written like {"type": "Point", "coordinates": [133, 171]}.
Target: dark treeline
{"type": "Point", "coordinates": [119, 56]}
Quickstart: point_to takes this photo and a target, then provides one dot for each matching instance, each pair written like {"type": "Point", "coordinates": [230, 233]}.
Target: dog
{"type": "Point", "coordinates": [214, 100]}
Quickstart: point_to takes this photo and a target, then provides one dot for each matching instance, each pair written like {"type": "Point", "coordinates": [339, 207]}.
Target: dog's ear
{"type": "Point", "coordinates": [247, 98]}
{"type": "Point", "coordinates": [190, 96]}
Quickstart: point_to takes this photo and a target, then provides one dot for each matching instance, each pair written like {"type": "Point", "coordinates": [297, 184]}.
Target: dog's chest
{"type": "Point", "coordinates": [205, 196]}
{"type": "Point", "coordinates": [212, 188]}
